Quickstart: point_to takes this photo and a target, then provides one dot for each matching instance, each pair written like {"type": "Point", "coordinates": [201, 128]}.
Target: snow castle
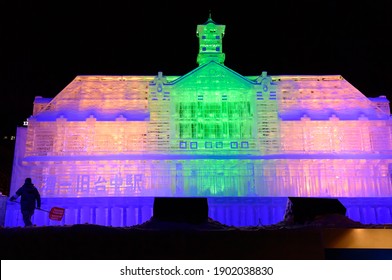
{"type": "Point", "coordinates": [105, 146]}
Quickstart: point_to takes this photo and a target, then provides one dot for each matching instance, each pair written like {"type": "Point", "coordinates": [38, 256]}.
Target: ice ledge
{"type": "Point", "coordinates": [201, 157]}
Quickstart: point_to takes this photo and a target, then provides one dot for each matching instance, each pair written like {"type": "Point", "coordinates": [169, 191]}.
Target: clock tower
{"type": "Point", "coordinates": [210, 36]}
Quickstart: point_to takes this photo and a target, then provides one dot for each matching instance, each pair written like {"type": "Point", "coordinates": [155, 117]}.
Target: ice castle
{"type": "Point", "coordinates": [105, 146]}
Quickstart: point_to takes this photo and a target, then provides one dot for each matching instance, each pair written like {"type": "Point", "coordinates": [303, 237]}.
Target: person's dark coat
{"type": "Point", "coordinates": [29, 195]}
{"type": "Point", "coordinates": [29, 199]}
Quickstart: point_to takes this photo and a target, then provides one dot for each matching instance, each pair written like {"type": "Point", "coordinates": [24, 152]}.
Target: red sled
{"type": "Point", "coordinates": [56, 213]}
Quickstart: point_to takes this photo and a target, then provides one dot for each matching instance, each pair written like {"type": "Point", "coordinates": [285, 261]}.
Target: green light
{"type": "Point", "coordinates": [210, 42]}
{"type": "Point", "coordinates": [214, 107]}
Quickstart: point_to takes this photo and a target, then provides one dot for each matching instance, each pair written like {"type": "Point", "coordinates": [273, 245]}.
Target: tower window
{"type": "Point", "coordinates": [217, 37]}
{"type": "Point", "coordinates": [203, 37]}
{"type": "Point", "coordinates": [203, 49]}
{"type": "Point", "coordinates": [217, 49]}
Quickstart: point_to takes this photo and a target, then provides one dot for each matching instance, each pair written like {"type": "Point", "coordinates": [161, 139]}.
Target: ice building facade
{"type": "Point", "coordinates": [211, 132]}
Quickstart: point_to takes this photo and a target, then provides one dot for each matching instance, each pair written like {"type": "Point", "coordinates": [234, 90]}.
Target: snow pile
{"type": "Point", "coordinates": [155, 224]}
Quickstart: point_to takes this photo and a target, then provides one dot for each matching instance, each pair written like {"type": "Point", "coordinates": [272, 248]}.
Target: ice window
{"type": "Point", "coordinates": [234, 145]}
{"type": "Point", "coordinates": [193, 145]}
{"type": "Point", "coordinates": [182, 145]}
{"type": "Point", "coordinates": [219, 145]}
{"type": "Point", "coordinates": [245, 145]}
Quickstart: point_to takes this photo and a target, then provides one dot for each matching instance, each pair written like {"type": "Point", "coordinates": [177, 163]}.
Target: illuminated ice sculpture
{"type": "Point", "coordinates": [211, 132]}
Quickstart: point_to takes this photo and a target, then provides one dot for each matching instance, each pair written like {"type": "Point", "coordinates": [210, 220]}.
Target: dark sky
{"type": "Point", "coordinates": [44, 45]}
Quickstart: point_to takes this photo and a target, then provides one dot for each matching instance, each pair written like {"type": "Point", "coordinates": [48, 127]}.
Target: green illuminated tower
{"type": "Point", "coordinates": [210, 36]}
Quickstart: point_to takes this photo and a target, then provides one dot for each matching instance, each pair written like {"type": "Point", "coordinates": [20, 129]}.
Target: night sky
{"type": "Point", "coordinates": [45, 45]}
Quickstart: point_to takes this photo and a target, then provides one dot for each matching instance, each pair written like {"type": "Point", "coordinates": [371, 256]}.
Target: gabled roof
{"type": "Point", "coordinates": [229, 73]}
{"type": "Point", "coordinates": [321, 97]}
{"type": "Point", "coordinates": [104, 97]}
{"type": "Point", "coordinates": [108, 97]}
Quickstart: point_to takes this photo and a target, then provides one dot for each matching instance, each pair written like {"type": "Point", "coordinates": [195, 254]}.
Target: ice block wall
{"type": "Point", "coordinates": [213, 177]}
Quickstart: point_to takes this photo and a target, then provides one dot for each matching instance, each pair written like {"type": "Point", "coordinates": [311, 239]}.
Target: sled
{"type": "Point", "coordinates": [56, 213]}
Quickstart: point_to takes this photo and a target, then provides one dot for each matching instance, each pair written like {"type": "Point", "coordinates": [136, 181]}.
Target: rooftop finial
{"type": "Point", "coordinates": [209, 15]}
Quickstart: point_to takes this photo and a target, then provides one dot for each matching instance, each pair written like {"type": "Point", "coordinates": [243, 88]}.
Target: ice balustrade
{"type": "Point", "coordinates": [121, 212]}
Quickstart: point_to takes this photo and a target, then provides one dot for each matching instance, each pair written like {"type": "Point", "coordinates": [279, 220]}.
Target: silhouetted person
{"type": "Point", "coordinates": [29, 196]}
